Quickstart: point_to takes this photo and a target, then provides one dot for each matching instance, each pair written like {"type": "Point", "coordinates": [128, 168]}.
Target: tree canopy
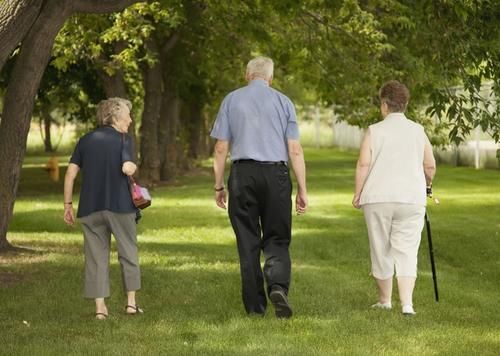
{"type": "Point", "coordinates": [339, 51]}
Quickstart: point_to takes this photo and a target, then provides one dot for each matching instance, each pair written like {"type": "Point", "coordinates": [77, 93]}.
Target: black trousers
{"type": "Point", "coordinates": [260, 212]}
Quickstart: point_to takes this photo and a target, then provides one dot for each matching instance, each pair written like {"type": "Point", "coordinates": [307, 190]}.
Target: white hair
{"type": "Point", "coordinates": [109, 109]}
{"type": "Point", "coordinates": [260, 67]}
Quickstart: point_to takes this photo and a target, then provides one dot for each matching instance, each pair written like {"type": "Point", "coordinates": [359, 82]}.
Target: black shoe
{"type": "Point", "coordinates": [280, 302]}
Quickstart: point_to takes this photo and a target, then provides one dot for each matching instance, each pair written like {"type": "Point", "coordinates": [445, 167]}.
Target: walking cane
{"type": "Point", "coordinates": [431, 249]}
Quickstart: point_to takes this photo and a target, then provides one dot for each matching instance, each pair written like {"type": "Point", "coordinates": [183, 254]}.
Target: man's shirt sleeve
{"type": "Point", "coordinates": [292, 128]}
{"type": "Point", "coordinates": [221, 130]}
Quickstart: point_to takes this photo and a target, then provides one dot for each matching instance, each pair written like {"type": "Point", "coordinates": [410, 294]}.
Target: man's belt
{"type": "Point", "coordinates": [252, 161]}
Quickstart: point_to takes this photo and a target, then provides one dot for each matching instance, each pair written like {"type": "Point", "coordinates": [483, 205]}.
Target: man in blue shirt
{"type": "Point", "coordinates": [258, 125]}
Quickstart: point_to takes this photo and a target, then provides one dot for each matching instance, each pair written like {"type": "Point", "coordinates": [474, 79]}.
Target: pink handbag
{"type": "Point", "coordinates": [140, 195]}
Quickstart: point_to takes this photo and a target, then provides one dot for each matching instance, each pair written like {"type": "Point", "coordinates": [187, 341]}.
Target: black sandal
{"type": "Point", "coordinates": [135, 307]}
{"type": "Point", "coordinates": [97, 316]}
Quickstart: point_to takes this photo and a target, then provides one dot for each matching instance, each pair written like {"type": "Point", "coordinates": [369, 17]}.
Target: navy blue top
{"type": "Point", "coordinates": [257, 120]}
{"type": "Point", "coordinates": [100, 155]}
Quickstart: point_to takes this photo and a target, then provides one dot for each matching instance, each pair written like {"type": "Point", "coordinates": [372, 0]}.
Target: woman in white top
{"type": "Point", "coordinates": [394, 166]}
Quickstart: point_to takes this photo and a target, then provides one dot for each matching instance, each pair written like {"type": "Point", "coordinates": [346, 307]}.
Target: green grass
{"type": "Point", "coordinates": [191, 283]}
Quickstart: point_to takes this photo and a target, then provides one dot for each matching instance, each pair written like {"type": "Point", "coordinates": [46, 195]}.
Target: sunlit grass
{"type": "Point", "coordinates": [191, 283]}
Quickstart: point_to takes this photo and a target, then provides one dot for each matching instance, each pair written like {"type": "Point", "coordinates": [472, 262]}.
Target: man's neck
{"type": "Point", "coordinates": [259, 78]}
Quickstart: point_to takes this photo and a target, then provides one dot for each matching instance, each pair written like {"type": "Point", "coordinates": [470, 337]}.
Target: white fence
{"type": "Point", "coordinates": [474, 153]}
{"type": "Point", "coordinates": [347, 136]}
{"type": "Point", "coordinates": [478, 154]}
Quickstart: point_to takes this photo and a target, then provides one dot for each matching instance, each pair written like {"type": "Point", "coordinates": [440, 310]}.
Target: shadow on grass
{"type": "Point", "coordinates": [200, 282]}
{"type": "Point", "coordinates": [35, 181]}
{"type": "Point", "coordinates": [13, 251]}
{"type": "Point", "coordinates": [40, 220]}
{"type": "Point", "coordinates": [196, 281]}
{"type": "Point", "coordinates": [50, 220]}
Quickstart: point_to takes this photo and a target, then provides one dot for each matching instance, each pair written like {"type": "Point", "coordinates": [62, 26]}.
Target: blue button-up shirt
{"type": "Point", "coordinates": [257, 120]}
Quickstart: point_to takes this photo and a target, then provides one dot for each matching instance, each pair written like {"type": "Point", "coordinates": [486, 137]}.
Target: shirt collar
{"type": "Point", "coordinates": [395, 115]}
{"type": "Point", "coordinates": [107, 127]}
{"type": "Point", "coordinates": [258, 81]}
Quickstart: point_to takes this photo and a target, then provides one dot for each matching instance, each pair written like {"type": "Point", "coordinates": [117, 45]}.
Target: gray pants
{"type": "Point", "coordinates": [97, 230]}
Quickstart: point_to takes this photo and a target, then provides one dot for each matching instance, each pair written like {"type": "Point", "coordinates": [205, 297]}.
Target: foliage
{"type": "Point", "coordinates": [116, 41]}
{"type": "Point", "coordinates": [92, 36]}
{"type": "Point", "coordinates": [447, 51]}
{"type": "Point", "coordinates": [328, 53]}
{"type": "Point", "coordinates": [72, 94]}
{"type": "Point", "coordinates": [333, 50]}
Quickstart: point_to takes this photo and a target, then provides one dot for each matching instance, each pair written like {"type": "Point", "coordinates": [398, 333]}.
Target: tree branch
{"type": "Point", "coordinates": [101, 6]}
{"type": "Point", "coordinates": [172, 40]}
{"type": "Point", "coordinates": [320, 19]}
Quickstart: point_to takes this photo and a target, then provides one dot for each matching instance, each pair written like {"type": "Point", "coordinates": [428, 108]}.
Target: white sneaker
{"type": "Point", "coordinates": [408, 310]}
{"type": "Point", "coordinates": [386, 306]}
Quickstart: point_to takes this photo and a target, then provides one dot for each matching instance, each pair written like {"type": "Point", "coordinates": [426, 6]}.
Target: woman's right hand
{"type": "Point", "coordinates": [355, 201]}
{"type": "Point", "coordinates": [69, 215]}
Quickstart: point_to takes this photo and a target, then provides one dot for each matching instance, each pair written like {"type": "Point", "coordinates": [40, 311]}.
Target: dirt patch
{"type": "Point", "coordinates": [11, 262]}
{"type": "Point", "coordinates": [8, 279]}
{"type": "Point", "coordinates": [20, 255]}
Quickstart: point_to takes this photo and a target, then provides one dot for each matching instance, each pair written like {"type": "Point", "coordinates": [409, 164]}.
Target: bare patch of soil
{"type": "Point", "coordinates": [8, 279]}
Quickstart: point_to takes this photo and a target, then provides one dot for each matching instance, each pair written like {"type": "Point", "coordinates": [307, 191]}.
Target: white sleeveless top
{"type": "Point", "coordinates": [396, 173]}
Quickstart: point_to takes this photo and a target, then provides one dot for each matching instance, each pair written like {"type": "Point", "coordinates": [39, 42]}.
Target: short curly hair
{"type": "Point", "coordinates": [108, 110]}
{"type": "Point", "coordinates": [395, 94]}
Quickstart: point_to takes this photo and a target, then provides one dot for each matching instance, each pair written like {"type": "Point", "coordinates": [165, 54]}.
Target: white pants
{"type": "Point", "coordinates": [394, 231]}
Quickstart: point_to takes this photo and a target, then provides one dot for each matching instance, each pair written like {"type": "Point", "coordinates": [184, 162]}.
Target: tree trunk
{"type": "Point", "coordinates": [23, 85]}
{"type": "Point", "coordinates": [195, 126]}
{"type": "Point", "coordinates": [184, 134]}
{"type": "Point", "coordinates": [100, 6]}
{"type": "Point", "coordinates": [115, 87]}
{"type": "Point", "coordinates": [18, 103]}
{"type": "Point", "coordinates": [169, 116]}
{"type": "Point", "coordinates": [47, 124]}
{"type": "Point", "coordinates": [16, 18]}
{"type": "Point", "coordinates": [169, 122]}
{"type": "Point", "coordinates": [150, 158]}
{"type": "Point", "coordinates": [204, 147]}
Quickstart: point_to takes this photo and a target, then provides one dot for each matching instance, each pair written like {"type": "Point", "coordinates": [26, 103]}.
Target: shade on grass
{"type": "Point", "coordinates": [191, 284]}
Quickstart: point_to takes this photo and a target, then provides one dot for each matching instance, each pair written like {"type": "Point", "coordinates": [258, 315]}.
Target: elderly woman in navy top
{"type": "Point", "coordinates": [105, 157]}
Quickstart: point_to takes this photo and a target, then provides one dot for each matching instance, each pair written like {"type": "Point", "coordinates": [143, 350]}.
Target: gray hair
{"type": "Point", "coordinates": [108, 110]}
{"type": "Point", "coordinates": [260, 67]}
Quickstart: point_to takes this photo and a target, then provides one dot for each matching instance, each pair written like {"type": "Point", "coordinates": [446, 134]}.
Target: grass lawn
{"type": "Point", "coordinates": [191, 282]}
